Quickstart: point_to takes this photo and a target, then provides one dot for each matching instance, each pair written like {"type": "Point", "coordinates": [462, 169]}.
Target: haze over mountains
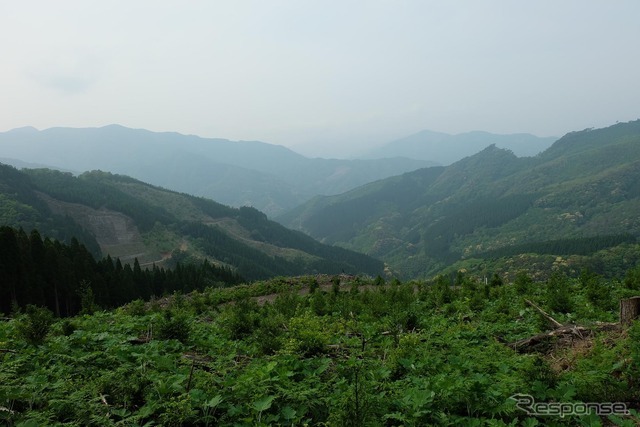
{"type": "Point", "coordinates": [445, 149]}
{"type": "Point", "coordinates": [271, 178]}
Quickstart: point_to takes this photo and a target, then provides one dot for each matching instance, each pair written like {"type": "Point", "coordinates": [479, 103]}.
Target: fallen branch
{"type": "Point", "coordinates": [607, 326]}
{"type": "Point", "coordinates": [542, 338]}
{"type": "Point", "coordinates": [545, 314]}
{"type": "Point", "coordinates": [6, 350]}
{"type": "Point", "coordinates": [541, 341]}
{"type": "Point", "coordinates": [193, 365]}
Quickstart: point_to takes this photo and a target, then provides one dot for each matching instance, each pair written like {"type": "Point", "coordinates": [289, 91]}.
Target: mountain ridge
{"type": "Point", "coordinates": [447, 148]}
{"type": "Point", "coordinates": [584, 185]}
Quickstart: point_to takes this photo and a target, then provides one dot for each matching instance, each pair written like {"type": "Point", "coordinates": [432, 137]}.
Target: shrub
{"type": "Point", "coordinates": [87, 298]}
{"type": "Point", "coordinates": [558, 294]}
{"type": "Point", "coordinates": [308, 335]}
{"type": "Point", "coordinates": [287, 302]}
{"type": "Point", "coordinates": [597, 291]}
{"type": "Point", "coordinates": [35, 325]}
{"type": "Point", "coordinates": [242, 318]}
{"type": "Point", "coordinates": [176, 327]}
{"type": "Point", "coordinates": [335, 285]}
{"type": "Point", "coordinates": [496, 281]}
{"type": "Point", "coordinates": [318, 303]}
{"type": "Point", "coordinates": [313, 286]}
{"type": "Point", "coordinates": [68, 327]}
{"type": "Point", "coordinates": [136, 308]}
{"type": "Point", "coordinates": [269, 331]}
{"type": "Point", "coordinates": [632, 279]}
{"type": "Point", "coordinates": [442, 291]}
{"type": "Point", "coordinates": [522, 283]}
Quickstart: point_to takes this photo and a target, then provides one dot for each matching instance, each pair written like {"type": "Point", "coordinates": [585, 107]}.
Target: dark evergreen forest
{"type": "Point", "coordinates": [67, 279]}
{"type": "Point", "coordinates": [577, 246]}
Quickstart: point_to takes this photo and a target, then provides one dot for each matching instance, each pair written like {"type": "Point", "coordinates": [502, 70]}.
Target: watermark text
{"type": "Point", "coordinates": [528, 404]}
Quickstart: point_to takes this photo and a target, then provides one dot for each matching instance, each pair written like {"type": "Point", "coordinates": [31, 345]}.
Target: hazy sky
{"type": "Point", "coordinates": [325, 77]}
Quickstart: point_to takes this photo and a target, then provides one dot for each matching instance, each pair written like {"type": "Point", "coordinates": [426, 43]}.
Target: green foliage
{"type": "Point", "coordinates": [136, 308]}
{"type": "Point", "coordinates": [596, 290]}
{"type": "Point", "coordinates": [313, 286]}
{"type": "Point", "coordinates": [68, 327]}
{"type": "Point", "coordinates": [496, 281]}
{"type": "Point", "coordinates": [377, 355]}
{"type": "Point", "coordinates": [34, 326]}
{"type": "Point", "coordinates": [523, 282]}
{"type": "Point", "coordinates": [307, 335]}
{"type": "Point", "coordinates": [87, 299]}
{"type": "Point", "coordinates": [442, 291]}
{"type": "Point", "coordinates": [174, 327]}
{"type": "Point", "coordinates": [559, 294]}
{"type": "Point", "coordinates": [335, 285]}
{"type": "Point", "coordinates": [242, 318]}
{"type": "Point", "coordinates": [632, 279]}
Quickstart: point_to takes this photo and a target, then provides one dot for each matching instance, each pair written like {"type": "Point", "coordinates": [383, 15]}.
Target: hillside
{"type": "Point", "coordinates": [268, 177]}
{"type": "Point", "coordinates": [122, 217]}
{"type": "Point", "coordinates": [445, 149]}
{"type": "Point", "coordinates": [585, 185]}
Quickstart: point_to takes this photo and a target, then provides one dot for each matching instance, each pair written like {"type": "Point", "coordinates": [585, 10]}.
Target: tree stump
{"type": "Point", "coordinates": [629, 310]}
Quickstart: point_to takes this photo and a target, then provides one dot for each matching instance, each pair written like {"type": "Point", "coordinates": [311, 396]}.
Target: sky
{"type": "Point", "coordinates": [326, 78]}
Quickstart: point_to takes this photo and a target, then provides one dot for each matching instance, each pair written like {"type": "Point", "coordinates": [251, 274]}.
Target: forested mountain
{"type": "Point", "coordinates": [124, 218]}
{"type": "Point", "coordinates": [446, 149]}
{"type": "Point", "coordinates": [586, 185]}
{"type": "Point", "coordinates": [269, 177]}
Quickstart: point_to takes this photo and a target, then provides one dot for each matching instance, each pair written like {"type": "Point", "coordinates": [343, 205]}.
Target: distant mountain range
{"type": "Point", "coordinates": [582, 191]}
{"type": "Point", "coordinates": [446, 149]}
{"type": "Point", "coordinates": [268, 177]}
{"type": "Point", "coordinates": [125, 218]}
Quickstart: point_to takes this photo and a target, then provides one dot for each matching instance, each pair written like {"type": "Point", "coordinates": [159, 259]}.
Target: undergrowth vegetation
{"type": "Point", "coordinates": [347, 352]}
